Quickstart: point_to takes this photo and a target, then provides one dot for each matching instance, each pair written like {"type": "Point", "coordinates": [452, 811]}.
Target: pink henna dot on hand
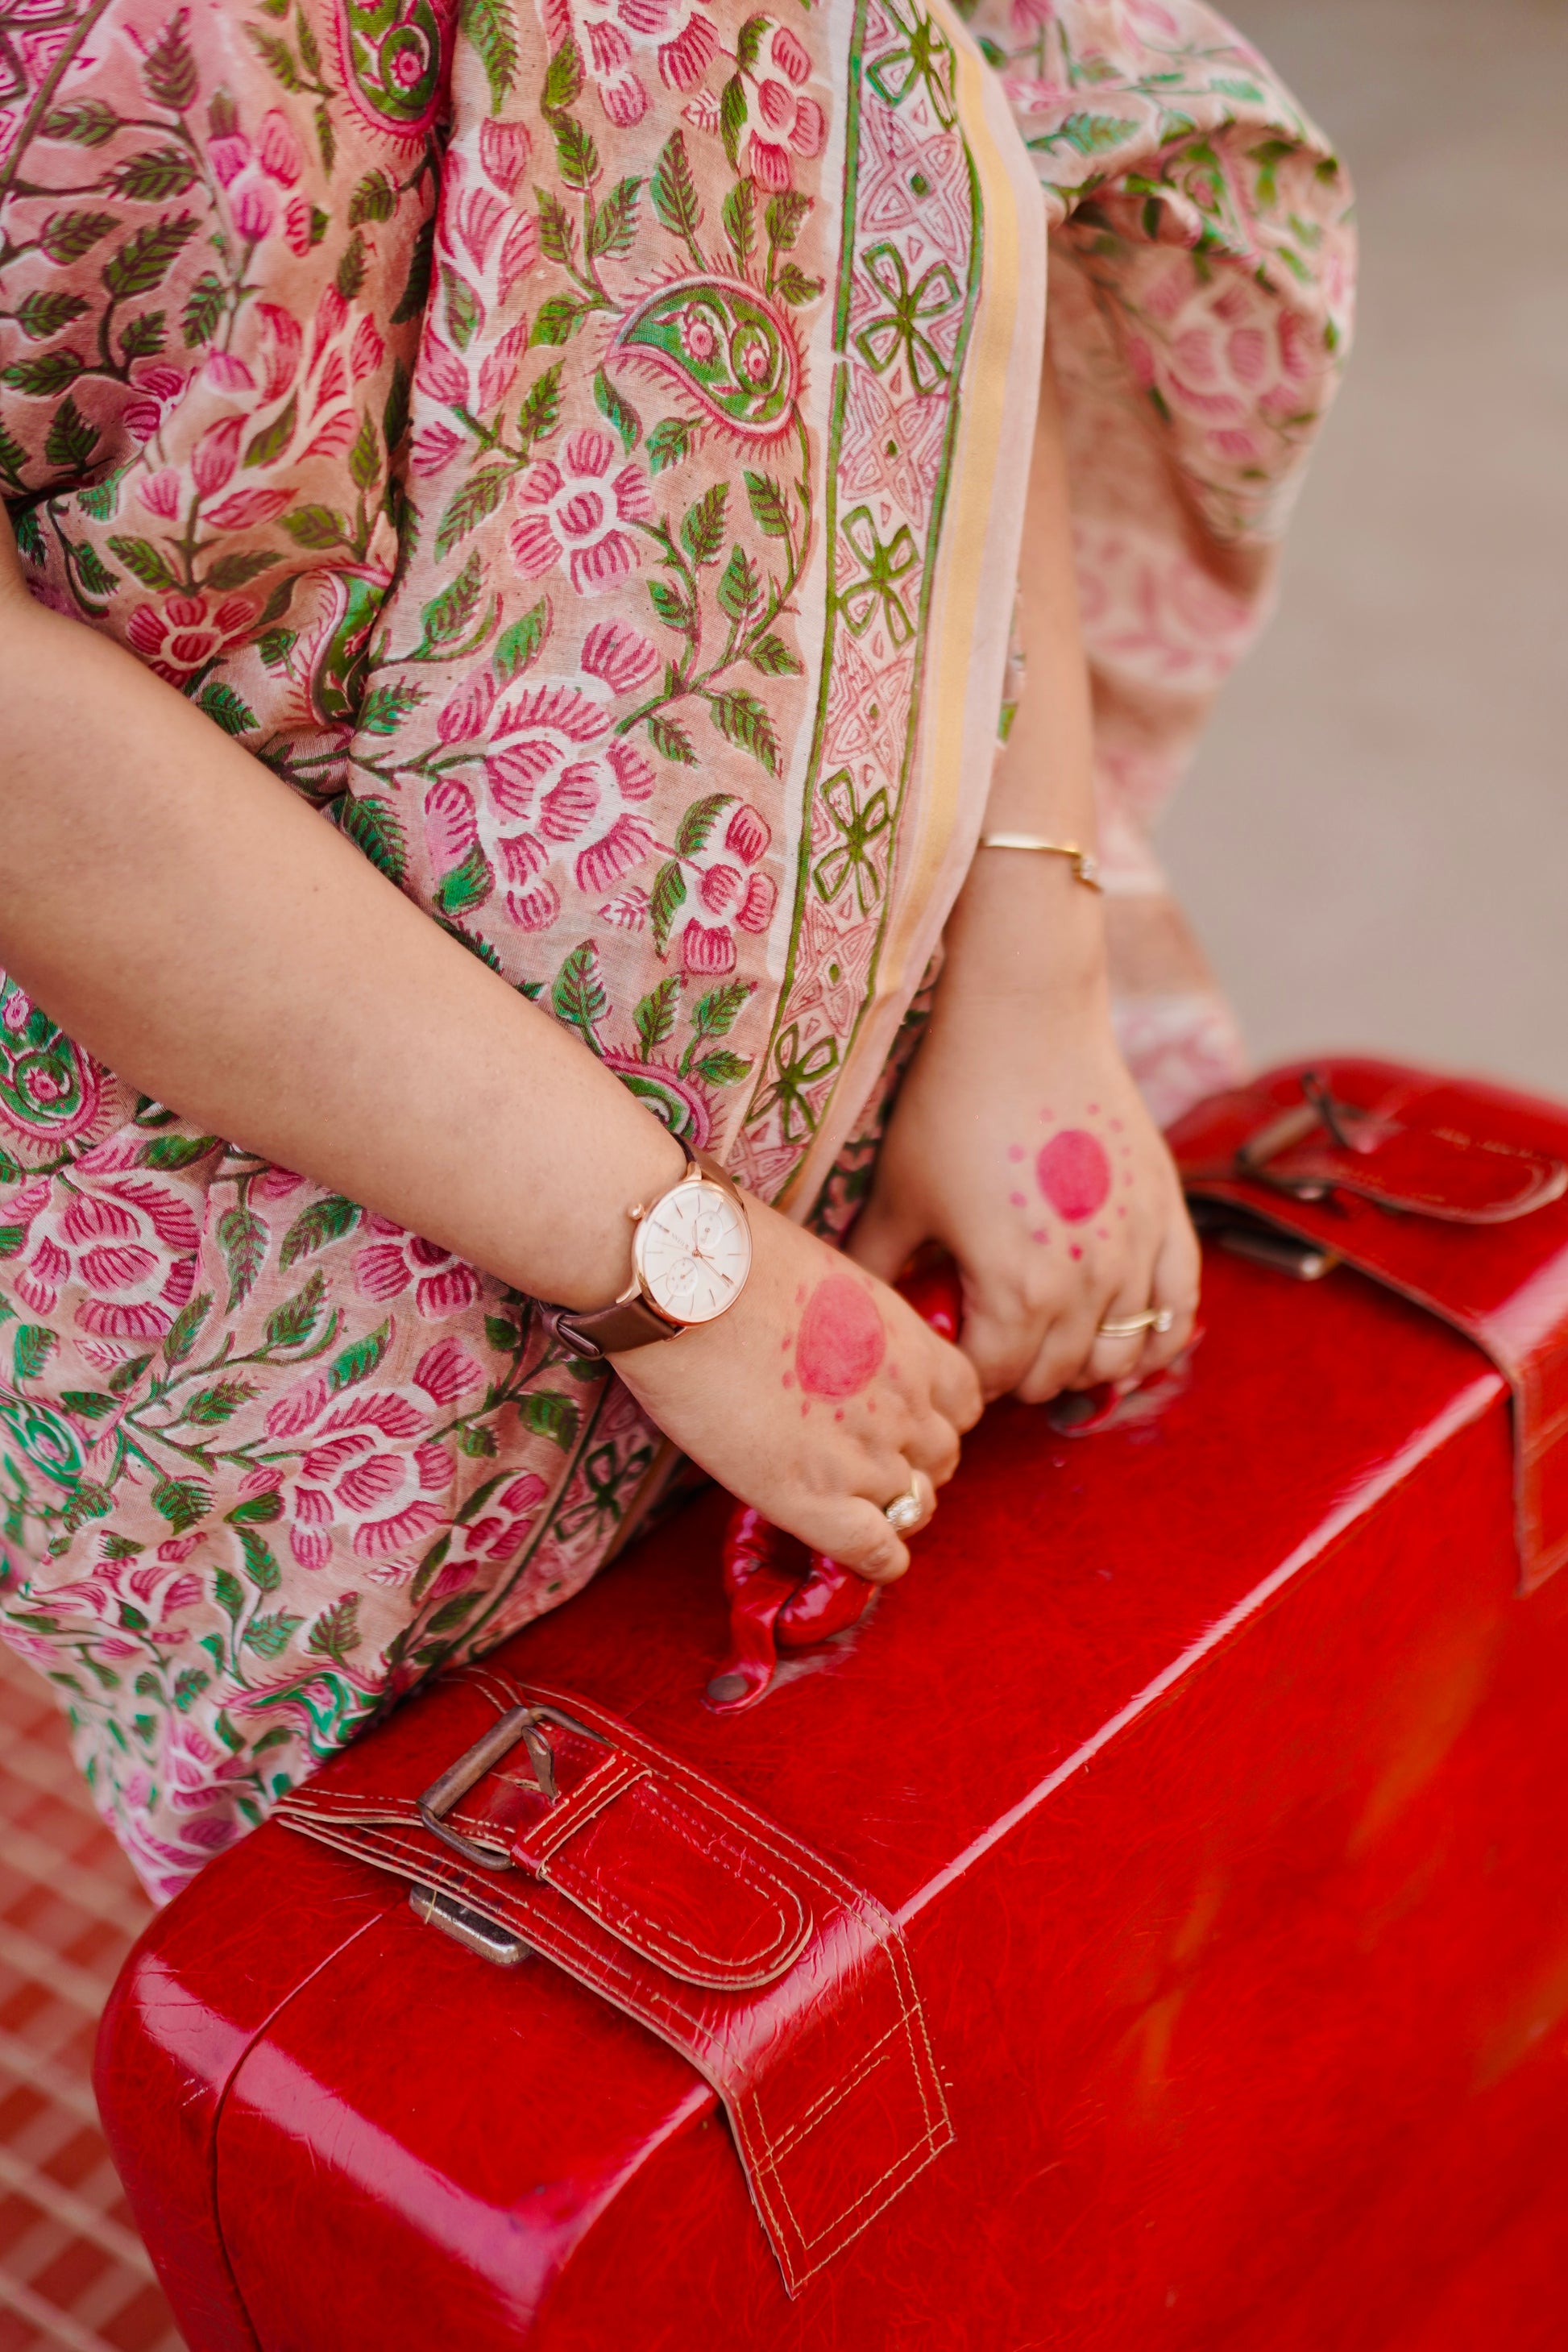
{"type": "Point", "coordinates": [1015, 1151]}
{"type": "Point", "coordinates": [1076, 1251]}
{"type": "Point", "coordinates": [1074, 1174]}
{"type": "Point", "coordinates": [1017, 1201]}
{"type": "Point", "coordinates": [841, 1343]}
{"type": "Point", "coordinates": [1039, 1235]}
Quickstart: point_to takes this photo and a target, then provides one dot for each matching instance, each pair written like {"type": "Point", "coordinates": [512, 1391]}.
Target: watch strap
{"type": "Point", "coordinates": [631, 1321]}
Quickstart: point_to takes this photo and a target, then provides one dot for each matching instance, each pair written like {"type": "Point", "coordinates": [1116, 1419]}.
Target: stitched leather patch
{"type": "Point", "coordinates": [788, 1987]}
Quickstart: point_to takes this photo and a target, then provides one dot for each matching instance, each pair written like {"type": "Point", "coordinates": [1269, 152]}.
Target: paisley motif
{"type": "Point", "coordinates": [678, 1102]}
{"type": "Point", "coordinates": [727, 346]}
{"type": "Point", "coordinates": [48, 1088]}
{"type": "Point", "coordinates": [393, 54]}
{"type": "Point", "coordinates": [44, 1438]}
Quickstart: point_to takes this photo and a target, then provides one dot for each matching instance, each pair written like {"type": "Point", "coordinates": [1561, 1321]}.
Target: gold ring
{"type": "Point", "coordinates": [1153, 1318]}
{"type": "Point", "coordinates": [907, 1511]}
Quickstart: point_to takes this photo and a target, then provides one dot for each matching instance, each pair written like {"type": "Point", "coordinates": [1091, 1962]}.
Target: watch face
{"type": "Point", "coordinates": [693, 1252]}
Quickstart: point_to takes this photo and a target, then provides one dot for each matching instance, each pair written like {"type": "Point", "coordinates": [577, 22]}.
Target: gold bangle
{"type": "Point", "coordinates": [1085, 865]}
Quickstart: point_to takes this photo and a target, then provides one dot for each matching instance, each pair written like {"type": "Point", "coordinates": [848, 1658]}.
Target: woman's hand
{"type": "Point", "coordinates": [817, 1398]}
{"type": "Point", "coordinates": [1020, 1142]}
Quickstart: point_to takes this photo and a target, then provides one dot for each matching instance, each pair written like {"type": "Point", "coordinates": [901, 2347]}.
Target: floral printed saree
{"type": "Point", "coordinates": [577, 444]}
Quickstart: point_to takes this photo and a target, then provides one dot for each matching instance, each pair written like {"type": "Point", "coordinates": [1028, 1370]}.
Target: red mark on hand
{"type": "Point", "coordinates": [842, 1342]}
{"type": "Point", "coordinates": [1074, 1174]}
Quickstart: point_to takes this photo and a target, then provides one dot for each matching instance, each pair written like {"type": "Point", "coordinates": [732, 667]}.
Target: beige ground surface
{"type": "Point", "coordinates": [1375, 844]}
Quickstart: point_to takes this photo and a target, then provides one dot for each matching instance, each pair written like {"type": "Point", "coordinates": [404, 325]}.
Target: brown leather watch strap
{"type": "Point", "coordinates": [630, 1322]}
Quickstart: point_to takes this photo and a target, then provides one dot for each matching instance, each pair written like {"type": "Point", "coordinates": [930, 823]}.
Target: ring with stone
{"type": "Point", "coordinates": [1158, 1319]}
{"type": "Point", "coordinates": [910, 1510]}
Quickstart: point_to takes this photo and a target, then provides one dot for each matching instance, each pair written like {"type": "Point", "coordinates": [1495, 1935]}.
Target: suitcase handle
{"type": "Point", "coordinates": [773, 1606]}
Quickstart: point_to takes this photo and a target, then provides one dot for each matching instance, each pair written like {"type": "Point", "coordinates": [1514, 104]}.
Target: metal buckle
{"type": "Point", "coordinates": [1317, 1108]}
{"type": "Point", "coordinates": [518, 1723]}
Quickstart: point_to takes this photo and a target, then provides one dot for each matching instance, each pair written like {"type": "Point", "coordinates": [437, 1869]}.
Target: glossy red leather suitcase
{"type": "Point", "coordinates": [1148, 1926]}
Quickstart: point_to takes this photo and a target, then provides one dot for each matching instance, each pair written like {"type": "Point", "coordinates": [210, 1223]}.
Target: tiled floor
{"type": "Point", "coordinates": [72, 2269]}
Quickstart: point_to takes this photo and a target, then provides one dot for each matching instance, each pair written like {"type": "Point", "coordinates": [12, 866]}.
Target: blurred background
{"type": "Point", "coordinates": [1374, 845]}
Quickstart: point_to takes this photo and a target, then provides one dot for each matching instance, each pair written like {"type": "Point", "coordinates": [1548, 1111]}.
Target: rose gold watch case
{"type": "Point", "coordinates": [668, 1235]}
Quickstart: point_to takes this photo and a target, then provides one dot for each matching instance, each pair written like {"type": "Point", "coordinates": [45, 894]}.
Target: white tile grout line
{"type": "Point", "coordinates": [56, 1974]}
{"type": "Point", "coordinates": [110, 2237]}
{"type": "Point", "coordinates": [55, 2326]}
{"type": "Point", "coordinates": [33, 1857]}
{"type": "Point", "coordinates": [60, 2084]}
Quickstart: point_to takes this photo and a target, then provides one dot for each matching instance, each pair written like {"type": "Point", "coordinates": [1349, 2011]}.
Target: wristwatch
{"type": "Point", "coordinates": [691, 1251]}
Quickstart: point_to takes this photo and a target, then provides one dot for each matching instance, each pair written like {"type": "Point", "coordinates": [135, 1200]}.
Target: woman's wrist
{"type": "Point", "coordinates": [1024, 926]}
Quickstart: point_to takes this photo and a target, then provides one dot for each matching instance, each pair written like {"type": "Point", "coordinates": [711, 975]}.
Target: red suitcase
{"type": "Point", "coordinates": [1148, 1926]}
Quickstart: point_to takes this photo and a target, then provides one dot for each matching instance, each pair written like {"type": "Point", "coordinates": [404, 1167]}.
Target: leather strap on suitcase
{"type": "Point", "coordinates": [788, 1987]}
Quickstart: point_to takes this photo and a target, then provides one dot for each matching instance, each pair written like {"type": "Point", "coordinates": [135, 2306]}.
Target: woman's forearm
{"type": "Point", "coordinates": [193, 923]}
{"type": "Point", "coordinates": [1022, 922]}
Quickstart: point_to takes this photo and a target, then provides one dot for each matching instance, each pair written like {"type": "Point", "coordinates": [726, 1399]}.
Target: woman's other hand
{"type": "Point", "coordinates": [1020, 1142]}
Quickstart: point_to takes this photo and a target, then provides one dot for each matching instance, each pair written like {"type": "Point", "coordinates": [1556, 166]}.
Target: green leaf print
{"type": "Point", "coordinates": [291, 1324]}
{"type": "Point", "coordinates": [243, 1238]}
{"type": "Point", "coordinates": [670, 440]}
{"type": "Point", "coordinates": [557, 230]}
{"type": "Point", "coordinates": [549, 1414]}
{"type": "Point", "coordinates": [169, 69]}
{"type": "Point", "coordinates": [210, 1407]}
{"type": "Point", "coordinates": [702, 525]}
{"type": "Point", "coordinates": [145, 258]}
{"type": "Point", "coordinates": [41, 377]}
{"type": "Point", "coordinates": [770, 654]}
{"type": "Point", "coordinates": [541, 411]}
{"type": "Point", "coordinates": [740, 590]}
{"type": "Point", "coordinates": [273, 439]}
{"type": "Point", "coordinates": [358, 1361]}
{"type": "Point", "coordinates": [575, 154]}
{"type": "Point", "coordinates": [578, 997]}
{"type": "Point", "coordinates": [617, 412]}
{"type": "Point", "coordinates": [221, 703]}
{"type": "Point", "coordinates": [478, 498]}
{"type": "Point", "coordinates": [85, 121]}
{"type": "Point", "coordinates": [336, 1631]}
{"type": "Point", "coordinates": [154, 176]}
{"type": "Point", "coordinates": [563, 77]}
{"type": "Point", "coordinates": [450, 615]}
{"type": "Point", "coordinates": [182, 1330]}
{"type": "Point", "coordinates": [722, 1068]}
{"type": "Point", "coordinates": [741, 719]}
{"type": "Point", "coordinates": [181, 1501]}
{"type": "Point", "coordinates": [276, 54]}
{"type": "Point", "coordinates": [261, 1565]}
{"type": "Point", "coordinates": [145, 336]}
{"type": "Point", "coordinates": [375, 199]}
{"type": "Point", "coordinates": [31, 1349]}
{"type": "Point", "coordinates": [674, 190]}
{"type": "Point", "coordinates": [71, 440]}
{"type": "Point", "coordinates": [462, 305]}
{"type": "Point", "coordinates": [668, 736]}
{"type": "Point", "coordinates": [141, 557]}
{"type": "Point", "coordinates": [365, 457]}
{"type": "Point", "coordinates": [238, 571]}
{"type": "Point", "coordinates": [270, 1636]}
{"type": "Point", "coordinates": [66, 237]}
{"type": "Point", "coordinates": [795, 287]}
{"type": "Point", "coordinates": [518, 646]}
{"type": "Point", "coordinates": [733, 118]}
{"type": "Point", "coordinates": [316, 526]}
{"type": "Point", "coordinates": [467, 885]}
{"type": "Point", "coordinates": [698, 823]}
{"type": "Point", "coordinates": [615, 223]}
{"type": "Point", "coordinates": [740, 218]}
{"type": "Point", "coordinates": [655, 1016]}
{"type": "Point", "coordinates": [421, 269]}
{"type": "Point", "coordinates": [665, 901]}
{"type": "Point", "coordinates": [372, 825]}
{"type": "Point", "coordinates": [203, 313]}
{"type": "Point", "coordinates": [352, 268]}
{"type": "Point", "coordinates": [323, 1222]}
{"type": "Point", "coordinates": [41, 314]}
{"type": "Point", "coordinates": [558, 319]}
{"type": "Point", "coordinates": [784, 217]}
{"type": "Point", "coordinates": [257, 1510]}
{"type": "Point", "coordinates": [770, 510]}
{"type": "Point", "coordinates": [715, 1012]}
{"type": "Point", "coordinates": [171, 1151]}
